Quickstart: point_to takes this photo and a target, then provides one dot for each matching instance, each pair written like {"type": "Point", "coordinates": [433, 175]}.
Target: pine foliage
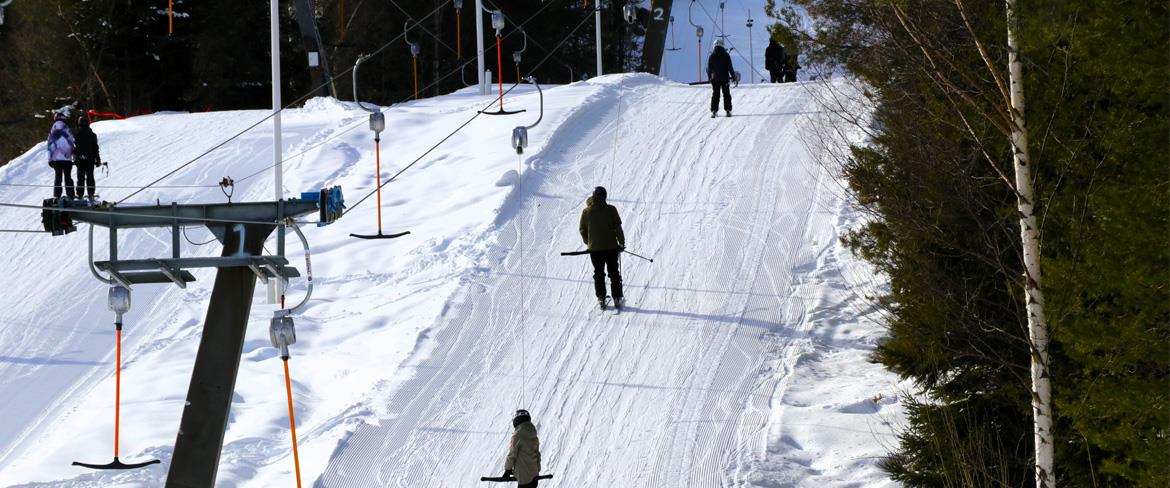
{"type": "Point", "coordinates": [944, 228]}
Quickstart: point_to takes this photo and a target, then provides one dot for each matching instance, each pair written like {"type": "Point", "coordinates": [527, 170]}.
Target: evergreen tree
{"type": "Point", "coordinates": [945, 230]}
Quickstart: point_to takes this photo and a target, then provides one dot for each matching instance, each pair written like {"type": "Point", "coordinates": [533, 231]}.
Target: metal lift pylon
{"type": "Point", "coordinates": [242, 228]}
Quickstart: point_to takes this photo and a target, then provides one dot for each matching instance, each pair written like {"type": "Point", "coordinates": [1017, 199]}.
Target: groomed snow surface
{"type": "Point", "coordinates": [740, 360]}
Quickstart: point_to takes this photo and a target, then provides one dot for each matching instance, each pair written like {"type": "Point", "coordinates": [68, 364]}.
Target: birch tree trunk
{"type": "Point", "coordinates": [1029, 235]}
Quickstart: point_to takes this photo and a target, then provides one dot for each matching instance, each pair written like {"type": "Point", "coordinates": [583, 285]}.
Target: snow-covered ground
{"type": "Point", "coordinates": [741, 360]}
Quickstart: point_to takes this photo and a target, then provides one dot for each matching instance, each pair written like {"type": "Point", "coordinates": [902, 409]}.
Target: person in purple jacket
{"type": "Point", "coordinates": [60, 147]}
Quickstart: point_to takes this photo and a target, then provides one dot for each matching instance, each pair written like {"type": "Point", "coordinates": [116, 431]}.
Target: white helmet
{"type": "Point", "coordinates": [718, 43]}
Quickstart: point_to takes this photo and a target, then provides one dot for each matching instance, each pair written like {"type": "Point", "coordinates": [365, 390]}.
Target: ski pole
{"type": "Point", "coordinates": [637, 255]}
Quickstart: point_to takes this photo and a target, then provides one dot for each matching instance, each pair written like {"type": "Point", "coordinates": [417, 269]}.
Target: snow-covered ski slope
{"type": "Point", "coordinates": [740, 360]}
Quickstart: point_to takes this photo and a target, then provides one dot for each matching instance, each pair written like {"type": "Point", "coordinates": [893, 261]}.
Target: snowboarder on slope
{"type": "Point", "coordinates": [774, 60]}
{"type": "Point", "coordinates": [86, 156]}
{"type": "Point", "coordinates": [60, 147]}
{"type": "Point", "coordinates": [523, 460]}
{"type": "Point", "coordinates": [721, 73]}
{"type": "Point", "coordinates": [601, 229]}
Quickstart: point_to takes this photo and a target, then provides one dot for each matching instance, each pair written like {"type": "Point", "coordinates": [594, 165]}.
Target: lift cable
{"type": "Point", "coordinates": [457, 70]}
{"type": "Point", "coordinates": [307, 95]}
{"type": "Point", "coordinates": [585, 19]}
{"type": "Point", "coordinates": [519, 26]}
{"type": "Point", "coordinates": [302, 98]}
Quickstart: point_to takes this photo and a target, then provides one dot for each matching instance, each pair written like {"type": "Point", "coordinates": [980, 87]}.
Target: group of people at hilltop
{"type": "Point", "coordinates": [721, 74]}
{"type": "Point", "coordinates": [780, 64]}
{"type": "Point", "coordinates": [68, 149]}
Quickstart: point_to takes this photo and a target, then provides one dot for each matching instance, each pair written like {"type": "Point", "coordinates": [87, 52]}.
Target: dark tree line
{"type": "Point", "coordinates": [117, 55]}
{"type": "Point", "coordinates": [944, 228]}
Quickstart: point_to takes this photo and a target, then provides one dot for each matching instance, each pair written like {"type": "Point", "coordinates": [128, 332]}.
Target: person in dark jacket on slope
{"type": "Point", "coordinates": [790, 67]}
{"type": "Point", "coordinates": [523, 459]}
{"type": "Point", "coordinates": [60, 147]}
{"type": "Point", "coordinates": [86, 156]}
{"type": "Point", "coordinates": [721, 73]}
{"type": "Point", "coordinates": [601, 229]}
{"type": "Point", "coordinates": [774, 61]}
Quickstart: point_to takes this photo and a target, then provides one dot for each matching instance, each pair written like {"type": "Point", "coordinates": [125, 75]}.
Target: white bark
{"type": "Point", "coordinates": [1029, 234]}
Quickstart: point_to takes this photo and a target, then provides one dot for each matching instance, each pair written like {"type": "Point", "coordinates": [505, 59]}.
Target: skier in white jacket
{"type": "Point", "coordinates": [60, 147]}
{"type": "Point", "coordinates": [523, 452]}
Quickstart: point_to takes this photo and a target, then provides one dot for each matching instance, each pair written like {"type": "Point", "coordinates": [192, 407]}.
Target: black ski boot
{"type": "Point", "coordinates": [619, 303]}
{"type": "Point", "coordinates": [728, 113]}
{"type": "Point", "coordinates": [714, 113]}
{"type": "Point", "coordinates": [601, 303]}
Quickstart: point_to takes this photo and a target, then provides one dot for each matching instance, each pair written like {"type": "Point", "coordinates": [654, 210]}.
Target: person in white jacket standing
{"type": "Point", "coordinates": [523, 452]}
{"type": "Point", "coordinates": [60, 147]}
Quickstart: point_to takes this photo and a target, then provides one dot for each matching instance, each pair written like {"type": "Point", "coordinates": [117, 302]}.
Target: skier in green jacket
{"type": "Point", "coordinates": [601, 229]}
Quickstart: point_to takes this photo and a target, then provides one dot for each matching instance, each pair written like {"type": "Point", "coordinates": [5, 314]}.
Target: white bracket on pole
{"type": "Point", "coordinates": [520, 133]}
{"type": "Point", "coordinates": [517, 56]}
{"type": "Point", "coordinates": [414, 49]}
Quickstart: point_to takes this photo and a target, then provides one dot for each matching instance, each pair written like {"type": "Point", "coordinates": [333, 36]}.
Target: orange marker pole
{"type": "Point", "coordinates": [500, 71]}
{"type": "Point", "coordinates": [170, 16]}
{"type": "Point", "coordinates": [117, 390]}
{"type": "Point", "coordinates": [459, 36]}
{"type": "Point", "coordinates": [292, 423]}
{"type": "Point", "coordinates": [414, 61]}
{"type": "Point", "coordinates": [517, 73]}
{"type": "Point", "coordinates": [378, 177]}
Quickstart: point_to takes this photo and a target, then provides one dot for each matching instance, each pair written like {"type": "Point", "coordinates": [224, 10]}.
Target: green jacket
{"type": "Point", "coordinates": [524, 454]}
{"type": "Point", "coordinates": [601, 227]}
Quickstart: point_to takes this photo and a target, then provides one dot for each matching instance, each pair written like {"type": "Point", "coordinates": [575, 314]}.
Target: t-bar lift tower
{"type": "Point", "coordinates": [242, 228]}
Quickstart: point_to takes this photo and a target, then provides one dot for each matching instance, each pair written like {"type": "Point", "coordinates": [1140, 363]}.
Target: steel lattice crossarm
{"type": "Point", "coordinates": [231, 223]}
{"type": "Point", "coordinates": [210, 214]}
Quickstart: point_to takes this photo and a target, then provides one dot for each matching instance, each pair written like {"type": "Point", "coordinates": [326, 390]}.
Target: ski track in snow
{"type": "Point", "coordinates": [673, 391]}
{"type": "Point", "coordinates": [741, 349]}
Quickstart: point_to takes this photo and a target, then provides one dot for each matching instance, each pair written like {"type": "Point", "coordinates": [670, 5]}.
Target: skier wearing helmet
{"type": "Point", "coordinates": [523, 460]}
{"type": "Point", "coordinates": [601, 231]}
{"type": "Point", "coordinates": [721, 74]}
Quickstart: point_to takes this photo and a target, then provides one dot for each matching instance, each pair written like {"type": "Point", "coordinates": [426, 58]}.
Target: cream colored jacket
{"type": "Point", "coordinates": [524, 453]}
